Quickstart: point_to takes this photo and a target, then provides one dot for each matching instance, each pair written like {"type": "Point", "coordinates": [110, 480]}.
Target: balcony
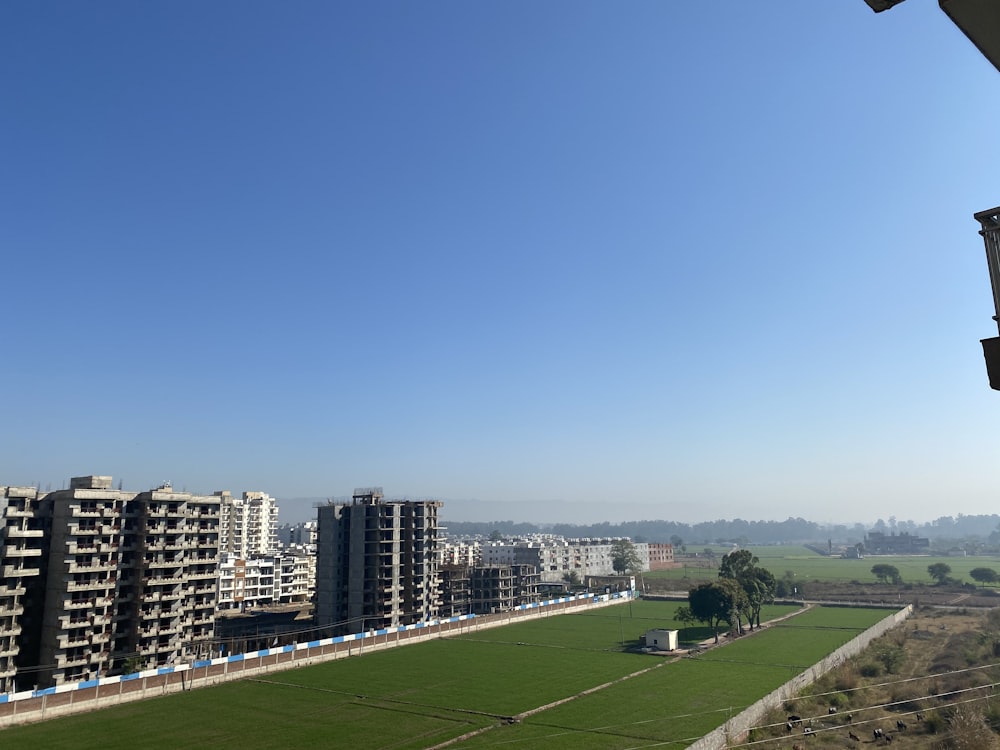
{"type": "Point", "coordinates": [77, 660]}
{"type": "Point", "coordinates": [72, 640]}
{"type": "Point", "coordinates": [160, 564]}
{"type": "Point", "coordinates": [91, 567]}
{"type": "Point", "coordinates": [12, 551]}
{"type": "Point", "coordinates": [16, 533]}
{"type": "Point", "coordinates": [94, 585]}
{"type": "Point", "coordinates": [86, 546]}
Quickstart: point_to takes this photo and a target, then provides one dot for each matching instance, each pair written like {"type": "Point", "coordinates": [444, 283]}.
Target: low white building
{"type": "Point", "coordinates": [460, 553]}
{"type": "Point", "coordinates": [660, 639]}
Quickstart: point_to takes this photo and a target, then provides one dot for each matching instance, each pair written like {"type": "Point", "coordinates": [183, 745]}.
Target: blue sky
{"type": "Point", "coordinates": [595, 261]}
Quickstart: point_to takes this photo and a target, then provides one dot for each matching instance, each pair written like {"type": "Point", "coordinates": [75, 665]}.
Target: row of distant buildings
{"type": "Point", "coordinates": [97, 580]}
{"type": "Point", "coordinates": [385, 564]}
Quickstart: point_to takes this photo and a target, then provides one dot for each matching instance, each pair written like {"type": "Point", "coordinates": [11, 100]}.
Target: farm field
{"type": "Point", "coordinates": [673, 704]}
{"type": "Point", "coordinates": [420, 695]}
{"type": "Point", "coordinates": [807, 565]}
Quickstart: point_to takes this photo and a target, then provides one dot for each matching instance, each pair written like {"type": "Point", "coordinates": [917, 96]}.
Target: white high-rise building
{"type": "Point", "coordinates": [249, 525]}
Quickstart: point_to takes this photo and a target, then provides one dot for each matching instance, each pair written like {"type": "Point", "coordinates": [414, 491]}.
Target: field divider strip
{"type": "Point", "coordinates": [516, 719]}
{"type": "Point", "coordinates": [372, 700]}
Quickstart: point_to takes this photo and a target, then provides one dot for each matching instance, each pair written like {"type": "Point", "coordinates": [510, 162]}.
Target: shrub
{"type": "Point", "coordinates": [870, 669]}
{"type": "Point", "coordinates": [906, 697]}
{"type": "Point", "coordinates": [969, 730]}
{"type": "Point", "coordinates": [837, 700]}
{"type": "Point", "coordinates": [935, 723]}
{"type": "Point", "coordinates": [846, 677]}
{"type": "Point", "coordinates": [889, 656]}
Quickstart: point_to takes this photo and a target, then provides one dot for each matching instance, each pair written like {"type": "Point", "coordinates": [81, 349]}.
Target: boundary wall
{"type": "Point", "coordinates": [739, 726]}
{"type": "Point", "coordinates": [36, 705]}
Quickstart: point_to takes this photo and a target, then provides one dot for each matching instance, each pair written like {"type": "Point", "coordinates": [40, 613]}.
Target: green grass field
{"type": "Point", "coordinates": [810, 566]}
{"type": "Point", "coordinates": [674, 704]}
{"type": "Point", "coordinates": [420, 695]}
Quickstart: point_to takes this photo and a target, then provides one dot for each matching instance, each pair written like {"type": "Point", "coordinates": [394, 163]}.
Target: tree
{"type": "Point", "coordinates": [737, 563]}
{"type": "Point", "coordinates": [572, 578]}
{"type": "Point", "coordinates": [886, 573]}
{"type": "Point", "coordinates": [496, 536]}
{"type": "Point", "coordinates": [984, 575]}
{"type": "Point", "coordinates": [717, 602]}
{"type": "Point", "coordinates": [624, 558]}
{"type": "Point", "coordinates": [758, 584]}
{"type": "Point", "coordinates": [685, 615]}
{"type": "Point", "coordinates": [939, 572]}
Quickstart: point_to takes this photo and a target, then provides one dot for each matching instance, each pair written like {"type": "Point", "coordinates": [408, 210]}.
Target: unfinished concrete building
{"type": "Point", "coordinates": [495, 588]}
{"type": "Point", "coordinates": [377, 563]}
{"type": "Point", "coordinates": [22, 559]}
{"type": "Point", "coordinates": [130, 582]}
{"type": "Point", "coordinates": [456, 590]}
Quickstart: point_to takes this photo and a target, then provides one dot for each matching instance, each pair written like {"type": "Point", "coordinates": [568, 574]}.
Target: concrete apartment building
{"type": "Point", "coordinates": [22, 549]}
{"type": "Point", "coordinates": [261, 566]}
{"type": "Point", "coordinates": [297, 534]}
{"type": "Point", "coordinates": [266, 581]}
{"type": "Point", "coordinates": [555, 557]}
{"type": "Point", "coordinates": [485, 589]}
{"type": "Point", "coordinates": [377, 562]}
{"type": "Point", "coordinates": [460, 553]}
{"type": "Point", "coordinates": [131, 579]}
{"type": "Point", "coordinates": [297, 575]}
{"type": "Point", "coordinates": [497, 588]}
{"type": "Point", "coordinates": [248, 525]}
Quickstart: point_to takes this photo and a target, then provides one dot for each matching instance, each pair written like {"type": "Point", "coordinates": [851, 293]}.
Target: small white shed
{"type": "Point", "coordinates": [660, 639]}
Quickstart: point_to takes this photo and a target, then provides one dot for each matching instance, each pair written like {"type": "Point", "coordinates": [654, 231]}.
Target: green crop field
{"type": "Point", "coordinates": [807, 565]}
{"type": "Point", "coordinates": [423, 694]}
{"type": "Point", "coordinates": [674, 704]}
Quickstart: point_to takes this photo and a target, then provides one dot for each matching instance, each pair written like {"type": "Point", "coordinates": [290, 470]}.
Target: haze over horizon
{"type": "Point", "coordinates": [716, 260]}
